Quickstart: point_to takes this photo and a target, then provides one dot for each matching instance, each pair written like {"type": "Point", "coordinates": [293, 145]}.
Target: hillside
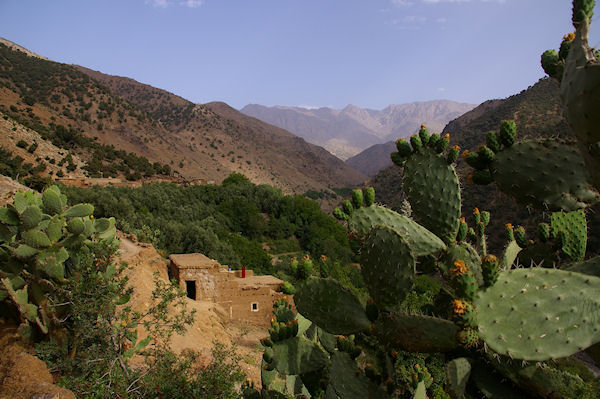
{"type": "Point", "coordinates": [120, 127]}
{"type": "Point", "coordinates": [348, 131]}
{"type": "Point", "coordinates": [373, 159]}
{"type": "Point", "coordinates": [537, 112]}
{"type": "Point", "coordinates": [265, 153]}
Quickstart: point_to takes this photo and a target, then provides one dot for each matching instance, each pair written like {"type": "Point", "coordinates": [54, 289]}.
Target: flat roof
{"type": "Point", "coordinates": [259, 281]}
{"type": "Point", "coordinates": [193, 261]}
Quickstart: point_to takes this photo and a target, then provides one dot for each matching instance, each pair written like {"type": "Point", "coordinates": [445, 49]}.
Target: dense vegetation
{"type": "Point", "coordinates": [59, 283]}
{"type": "Point", "coordinates": [227, 222]}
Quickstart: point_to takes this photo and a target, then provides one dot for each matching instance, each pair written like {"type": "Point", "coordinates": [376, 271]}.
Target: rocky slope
{"type": "Point", "coordinates": [197, 142]}
{"type": "Point", "coordinates": [348, 131]}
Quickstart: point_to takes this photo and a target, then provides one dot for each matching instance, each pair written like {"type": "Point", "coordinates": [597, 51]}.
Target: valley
{"type": "Point", "coordinates": [157, 247]}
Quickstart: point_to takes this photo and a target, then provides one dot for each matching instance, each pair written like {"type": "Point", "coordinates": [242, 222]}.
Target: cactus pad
{"type": "Point", "coordinates": [467, 254]}
{"type": "Point", "coordinates": [51, 201]}
{"type": "Point", "coordinates": [417, 333]}
{"type": "Point", "coordinates": [431, 186]}
{"type": "Point", "coordinates": [538, 314]}
{"type": "Point", "coordinates": [574, 223]}
{"type": "Point", "coordinates": [421, 241]}
{"type": "Point", "coordinates": [298, 355]}
{"type": "Point", "coordinates": [331, 306]}
{"type": "Point", "coordinates": [547, 174]}
{"type": "Point", "coordinates": [590, 266]}
{"type": "Point", "coordinates": [387, 265]}
{"type": "Point", "coordinates": [348, 382]}
{"type": "Point", "coordinates": [79, 210]}
{"type": "Point", "coordinates": [457, 376]}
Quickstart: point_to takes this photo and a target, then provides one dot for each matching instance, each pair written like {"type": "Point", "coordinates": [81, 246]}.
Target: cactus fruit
{"type": "Point", "coordinates": [486, 155]}
{"type": "Point", "coordinates": [433, 140]}
{"type": "Point", "coordinates": [549, 61]}
{"type": "Point", "coordinates": [397, 159]}
{"type": "Point", "coordinates": [463, 280]}
{"type": "Point", "coordinates": [538, 314]}
{"type": "Point", "coordinates": [404, 149]}
{"type": "Point", "coordinates": [339, 214]}
{"type": "Point", "coordinates": [347, 345]}
{"type": "Point", "coordinates": [369, 196]}
{"type": "Point", "coordinates": [544, 232]}
{"type": "Point", "coordinates": [424, 135]}
{"type": "Point", "coordinates": [508, 133]}
{"type": "Point", "coordinates": [492, 141]}
{"type": "Point", "coordinates": [489, 270]}
{"type": "Point", "coordinates": [482, 177]}
{"type": "Point", "coordinates": [348, 208]}
{"type": "Point", "coordinates": [463, 313]}
{"type": "Point", "coordinates": [473, 160]}
{"type": "Point", "coordinates": [521, 237]}
{"type": "Point", "coordinates": [453, 154]}
{"type": "Point", "coordinates": [509, 231]}
{"type": "Point", "coordinates": [305, 268]}
{"type": "Point", "coordinates": [357, 198]}
{"type": "Point", "coordinates": [465, 253]}
{"type": "Point", "coordinates": [469, 338]}
{"type": "Point", "coordinates": [442, 143]}
{"type": "Point", "coordinates": [485, 218]}
{"type": "Point", "coordinates": [416, 143]}
{"type": "Point", "coordinates": [462, 230]}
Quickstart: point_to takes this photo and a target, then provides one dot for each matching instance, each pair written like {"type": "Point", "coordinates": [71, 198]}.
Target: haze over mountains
{"type": "Point", "coordinates": [349, 131]}
{"type": "Point", "coordinates": [205, 142]}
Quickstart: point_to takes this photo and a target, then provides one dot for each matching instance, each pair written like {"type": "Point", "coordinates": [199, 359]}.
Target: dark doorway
{"type": "Point", "coordinates": [190, 287]}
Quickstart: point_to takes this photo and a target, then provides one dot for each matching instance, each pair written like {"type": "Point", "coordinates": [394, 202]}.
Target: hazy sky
{"type": "Point", "coordinates": [370, 53]}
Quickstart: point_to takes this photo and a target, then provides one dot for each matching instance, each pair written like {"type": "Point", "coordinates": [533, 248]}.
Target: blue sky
{"type": "Point", "coordinates": [370, 53]}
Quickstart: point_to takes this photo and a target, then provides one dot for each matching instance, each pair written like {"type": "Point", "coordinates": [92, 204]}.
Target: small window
{"type": "Point", "coordinates": [254, 306]}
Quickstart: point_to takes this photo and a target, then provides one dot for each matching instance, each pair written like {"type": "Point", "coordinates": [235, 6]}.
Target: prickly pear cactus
{"type": "Point", "coordinates": [580, 89]}
{"type": "Point", "coordinates": [538, 314]}
{"type": "Point", "coordinates": [500, 304]}
{"type": "Point", "coordinates": [39, 236]}
{"type": "Point", "coordinates": [538, 173]}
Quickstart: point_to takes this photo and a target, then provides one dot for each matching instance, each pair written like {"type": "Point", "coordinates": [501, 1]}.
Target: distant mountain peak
{"type": "Point", "coordinates": [348, 131]}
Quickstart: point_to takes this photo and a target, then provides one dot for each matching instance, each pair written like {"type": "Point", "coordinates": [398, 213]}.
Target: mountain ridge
{"type": "Point", "coordinates": [195, 140]}
{"type": "Point", "coordinates": [348, 131]}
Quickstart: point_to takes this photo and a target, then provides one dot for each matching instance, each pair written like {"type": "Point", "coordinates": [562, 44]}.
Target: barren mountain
{"type": "Point", "coordinates": [348, 131]}
{"type": "Point", "coordinates": [95, 116]}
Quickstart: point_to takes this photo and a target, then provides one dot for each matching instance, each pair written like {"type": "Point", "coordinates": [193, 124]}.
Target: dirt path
{"type": "Point", "coordinates": [127, 247]}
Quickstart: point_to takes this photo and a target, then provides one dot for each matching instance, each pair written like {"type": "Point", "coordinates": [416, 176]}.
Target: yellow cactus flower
{"type": "Point", "coordinates": [459, 268]}
{"type": "Point", "coordinates": [459, 307]}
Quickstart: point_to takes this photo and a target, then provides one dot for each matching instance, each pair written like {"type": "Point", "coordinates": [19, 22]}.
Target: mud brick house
{"type": "Point", "coordinates": [242, 294]}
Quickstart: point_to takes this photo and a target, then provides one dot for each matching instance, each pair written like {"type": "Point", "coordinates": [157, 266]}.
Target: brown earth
{"type": "Point", "coordinates": [22, 375]}
{"type": "Point", "coordinates": [12, 132]}
{"type": "Point", "coordinates": [211, 323]}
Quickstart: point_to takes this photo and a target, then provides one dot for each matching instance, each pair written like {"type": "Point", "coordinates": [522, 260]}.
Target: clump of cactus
{"type": "Point", "coordinates": [494, 307]}
{"type": "Point", "coordinates": [40, 241]}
